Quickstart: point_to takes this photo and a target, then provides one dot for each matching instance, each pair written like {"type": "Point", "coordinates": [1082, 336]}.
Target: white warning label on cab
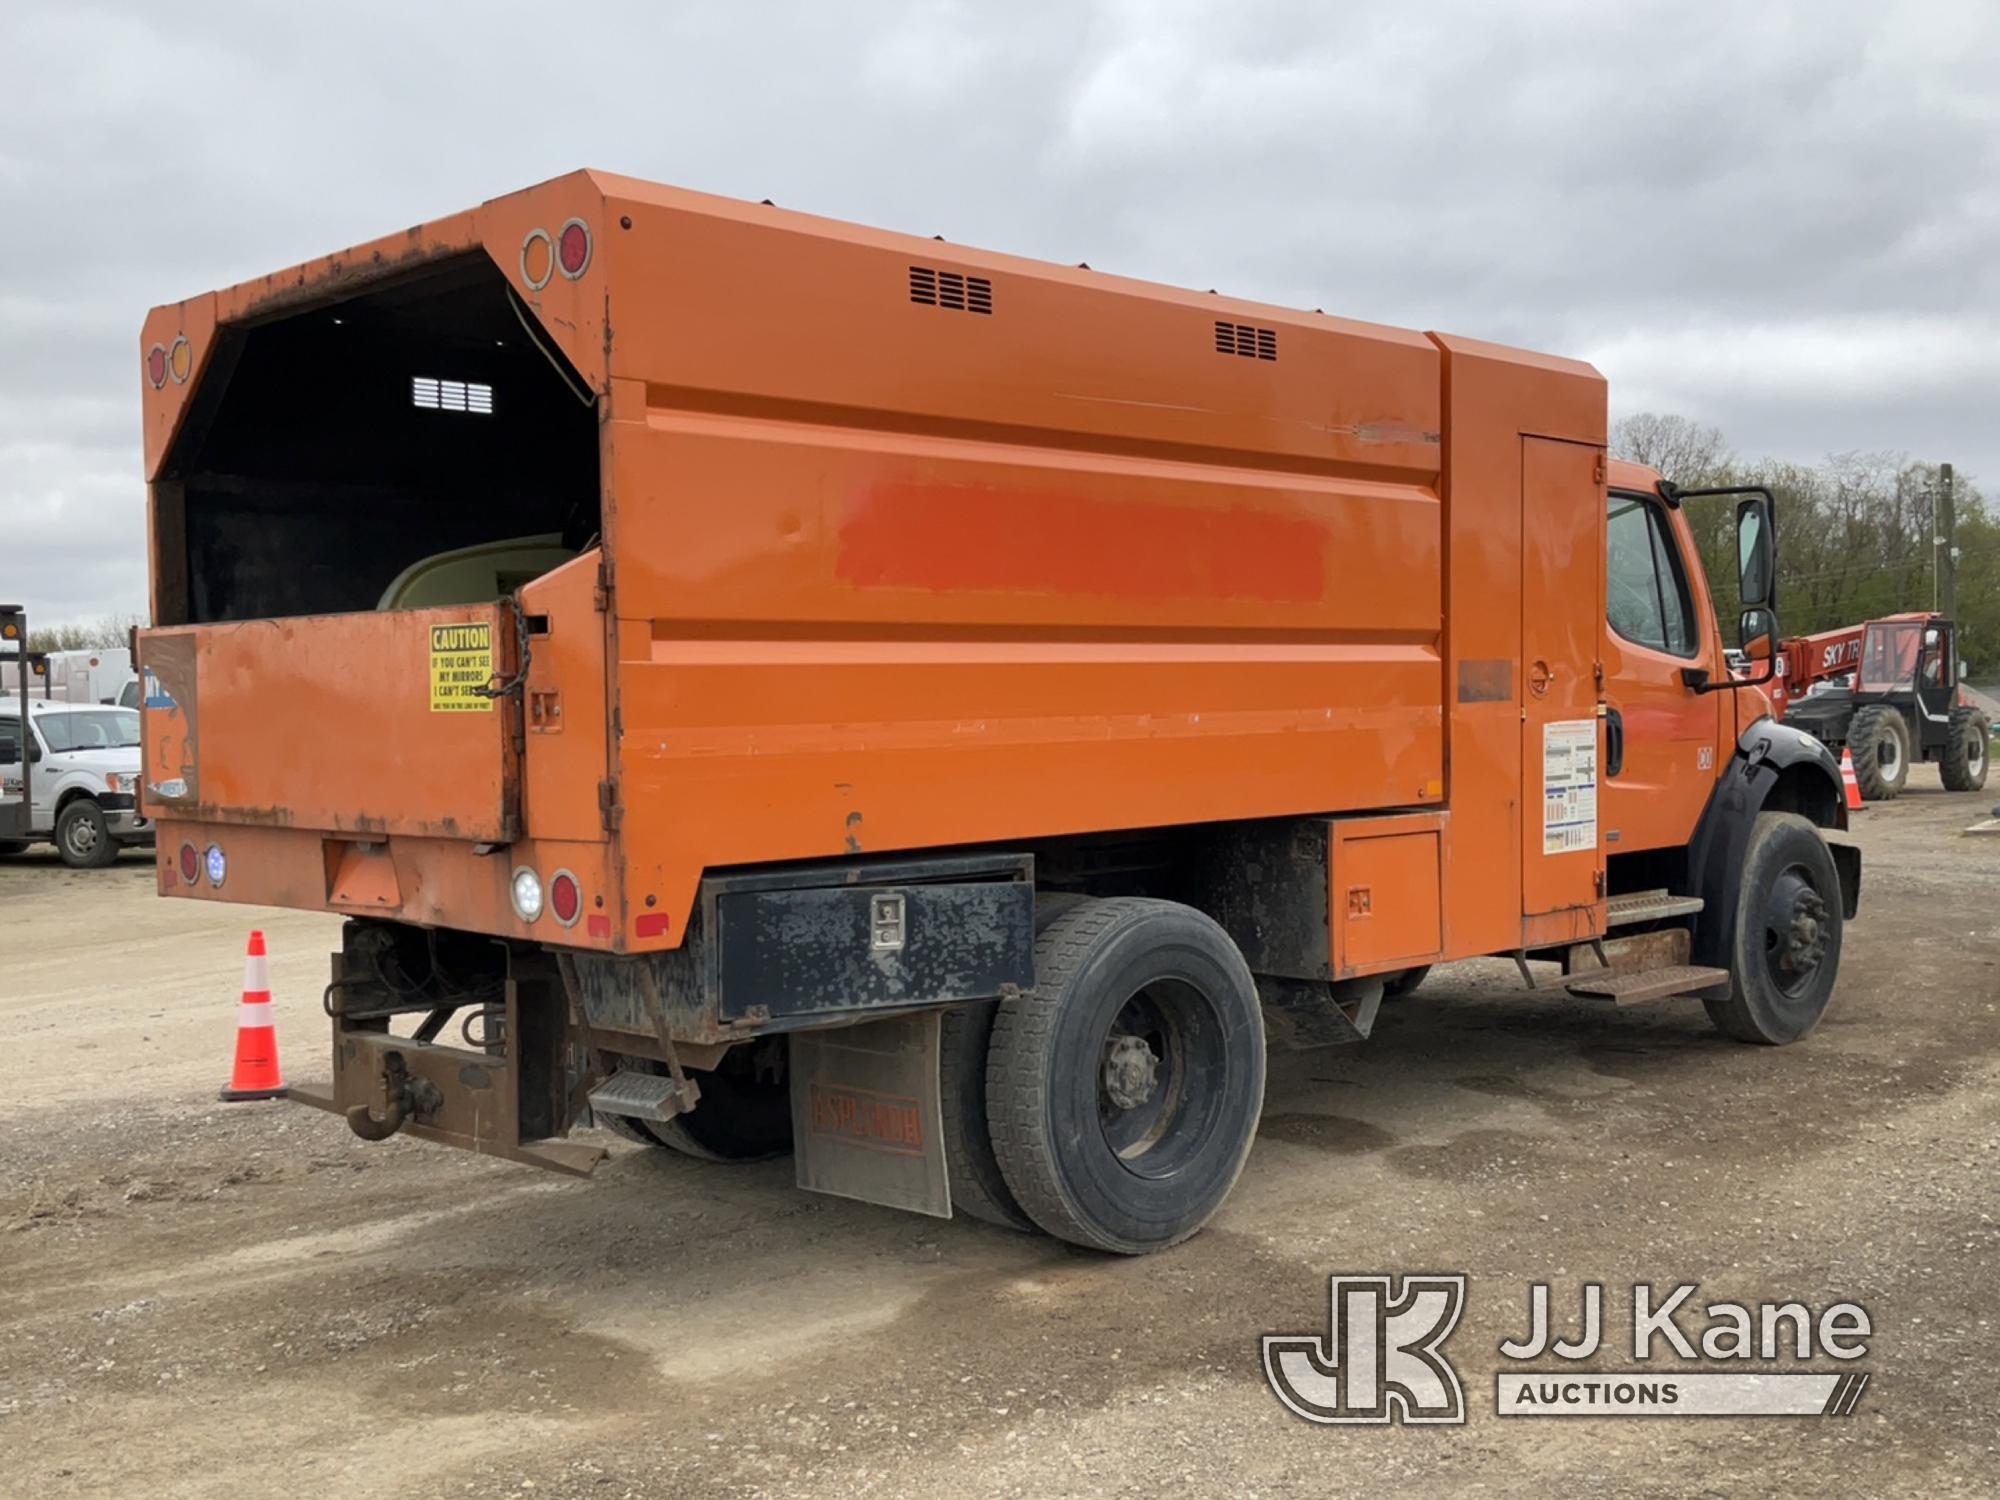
{"type": "Point", "coordinates": [1569, 785]}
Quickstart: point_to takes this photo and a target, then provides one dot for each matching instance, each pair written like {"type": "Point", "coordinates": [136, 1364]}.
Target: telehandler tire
{"type": "Point", "coordinates": [1123, 1091]}
{"type": "Point", "coordinates": [1967, 741]}
{"type": "Point", "coordinates": [1786, 955]}
{"type": "Point", "coordinates": [1880, 743]}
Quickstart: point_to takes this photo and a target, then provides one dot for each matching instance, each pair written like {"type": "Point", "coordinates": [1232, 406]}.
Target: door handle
{"type": "Point", "coordinates": [1614, 742]}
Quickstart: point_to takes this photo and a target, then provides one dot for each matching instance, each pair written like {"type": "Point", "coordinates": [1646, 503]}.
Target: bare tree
{"type": "Point", "coordinates": [84, 635]}
{"type": "Point", "coordinates": [1687, 452]}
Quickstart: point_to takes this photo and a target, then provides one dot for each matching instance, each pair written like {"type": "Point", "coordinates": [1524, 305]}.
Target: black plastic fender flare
{"type": "Point", "coordinates": [1764, 752]}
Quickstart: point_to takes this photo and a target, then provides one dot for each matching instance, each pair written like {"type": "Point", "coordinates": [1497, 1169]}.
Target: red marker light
{"type": "Point", "coordinates": [573, 249]}
{"type": "Point", "coordinates": [190, 864]}
{"type": "Point", "coordinates": [565, 900]}
{"type": "Point", "coordinates": [650, 924]}
{"type": "Point", "coordinates": [156, 365]}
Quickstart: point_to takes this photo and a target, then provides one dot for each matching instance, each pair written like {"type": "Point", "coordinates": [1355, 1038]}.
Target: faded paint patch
{"type": "Point", "coordinates": [1031, 542]}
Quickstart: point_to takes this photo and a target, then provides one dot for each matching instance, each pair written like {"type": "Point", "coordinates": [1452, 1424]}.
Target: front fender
{"type": "Point", "coordinates": [1776, 768]}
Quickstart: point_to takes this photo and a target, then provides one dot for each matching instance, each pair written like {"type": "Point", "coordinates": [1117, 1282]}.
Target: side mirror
{"type": "Point", "coordinates": [1757, 634]}
{"type": "Point", "coordinates": [1756, 554]}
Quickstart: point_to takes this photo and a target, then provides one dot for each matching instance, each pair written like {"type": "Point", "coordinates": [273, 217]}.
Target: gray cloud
{"type": "Point", "coordinates": [1781, 219]}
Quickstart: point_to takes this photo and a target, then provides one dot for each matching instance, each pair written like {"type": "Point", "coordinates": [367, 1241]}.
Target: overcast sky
{"type": "Point", "coordinates": [1782, 219]}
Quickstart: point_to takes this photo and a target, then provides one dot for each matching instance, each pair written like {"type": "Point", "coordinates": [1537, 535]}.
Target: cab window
{"type": "Point", "coordinates": [1646, 593]}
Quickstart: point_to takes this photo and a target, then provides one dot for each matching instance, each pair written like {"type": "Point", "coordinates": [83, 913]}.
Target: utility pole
{"type": "Point", "coordinates": [1946, 545]}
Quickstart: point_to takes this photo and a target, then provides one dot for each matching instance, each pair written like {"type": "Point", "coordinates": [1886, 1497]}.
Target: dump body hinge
{"type": "Point", "coordinates": [607, 805]}
{"type": "Point", "coordinates": [600, 597]}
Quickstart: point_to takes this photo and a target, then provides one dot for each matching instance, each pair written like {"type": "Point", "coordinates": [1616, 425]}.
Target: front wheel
{"type": "Point", "coordinates": [1786, 953]}
{"type": "Point", "coordinates": [1970, 735]}
{"type": "Point", "coordinates": [1123, 1092]}
{"type": "Point", "coordinates": [83, 838]}
{"type": "Point", "coordinates": [1880, 743]}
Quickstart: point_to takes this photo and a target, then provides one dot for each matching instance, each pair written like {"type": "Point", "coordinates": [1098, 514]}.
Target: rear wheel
{"type": "Point", "coordinates": [1786, 955]}
{"type": "Point", "coordinates": [745, 1111]}
{"type": "Point", "coordinates": [1123, 1092]}
{"type": "Point", "coordinates": [1404, 982]}
{"type": "Point", "coordinates": [1880, 742]}
{"type": "Point", "coordinates": [1967, 741]}
{"type": "Point", "coordinates": [83, 838]}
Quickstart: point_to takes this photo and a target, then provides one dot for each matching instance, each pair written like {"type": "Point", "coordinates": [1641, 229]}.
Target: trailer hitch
{"type": "Point", "coordinates": [405, 1096]}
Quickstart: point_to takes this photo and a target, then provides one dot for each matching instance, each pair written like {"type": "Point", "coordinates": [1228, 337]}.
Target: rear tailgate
{"type": "Point", "coordinates": [357, 723]}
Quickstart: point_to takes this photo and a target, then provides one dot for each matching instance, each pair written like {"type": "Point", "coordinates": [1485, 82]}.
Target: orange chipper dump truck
{"type": "Point", "coordinates": [779, 684]}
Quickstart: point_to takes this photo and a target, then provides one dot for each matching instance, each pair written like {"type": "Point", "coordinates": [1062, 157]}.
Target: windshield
{"type": "Point", "coordinates": [1889, 657]}
{"type": "Point", "coordinates": [99, 729]}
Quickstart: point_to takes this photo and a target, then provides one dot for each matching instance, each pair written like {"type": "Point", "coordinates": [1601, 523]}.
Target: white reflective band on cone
{"type": "Point", "coordinates": [253, 1013]}
{"type": "Point", "coordinates": [256, 974]}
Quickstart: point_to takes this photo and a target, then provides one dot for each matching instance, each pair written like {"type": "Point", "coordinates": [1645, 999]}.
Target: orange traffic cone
{"type": "Point", "coordinates": [1848, 781]}
{"type": "Point", "coordinates": [256, 1073]}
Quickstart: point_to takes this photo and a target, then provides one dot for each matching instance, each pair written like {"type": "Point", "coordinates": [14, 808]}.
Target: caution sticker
{"type": "Point", "coordinates": [461, 660]}
{"type": "Point", "coordinates": [1569, 786]}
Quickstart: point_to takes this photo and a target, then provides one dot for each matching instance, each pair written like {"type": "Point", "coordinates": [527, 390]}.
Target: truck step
{"type": "Point", "coordinates": [1648, 984]}
{"type": "Point", "coordinates": [639, 1096]}
{"type": "Point", "coordinates": [1648, 906]}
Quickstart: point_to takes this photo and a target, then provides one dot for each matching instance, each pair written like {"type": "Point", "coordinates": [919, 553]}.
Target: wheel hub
{"type": "Point", "coordinates": [1805, 935]}
{"type": "Point", "coordinates": [1131, 1071]}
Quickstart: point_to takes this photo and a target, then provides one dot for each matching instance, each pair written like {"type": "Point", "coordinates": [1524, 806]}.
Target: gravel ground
{"type": "Point", "coordinates": [199, 1299]}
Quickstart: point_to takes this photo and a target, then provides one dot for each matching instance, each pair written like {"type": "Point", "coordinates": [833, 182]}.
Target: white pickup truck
{"type": "Point", "coordinates": [77, 786]}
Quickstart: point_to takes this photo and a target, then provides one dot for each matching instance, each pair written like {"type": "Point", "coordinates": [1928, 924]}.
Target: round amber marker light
{"type": "Point", "coordinates": [180, 359]}
{"type": "Point", "coordinates": [538, 259]}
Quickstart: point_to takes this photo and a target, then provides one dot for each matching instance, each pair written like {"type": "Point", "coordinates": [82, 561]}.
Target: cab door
{"type": "Point", "coordinates": [1662, 734]}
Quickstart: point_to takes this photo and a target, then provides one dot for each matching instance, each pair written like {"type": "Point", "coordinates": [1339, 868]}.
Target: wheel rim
{"type": "Point", "coordinates": [1889, 754]}
{"type": "Point", "coordinates": [1797, 928]}
{"type": "Point", "coordinates": [82, 836]}
{"type": "Point", "coordinates": [1157, 1100]}
{"type": "Point", "coordinates": [1975, 752]}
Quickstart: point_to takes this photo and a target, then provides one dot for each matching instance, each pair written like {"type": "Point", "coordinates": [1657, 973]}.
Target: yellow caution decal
{"type": "Point", "coordinates": [461, 660]}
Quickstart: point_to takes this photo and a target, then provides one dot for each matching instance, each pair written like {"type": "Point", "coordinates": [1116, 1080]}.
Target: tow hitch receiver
{"type": "Point", "coordinates": [504, 1094]}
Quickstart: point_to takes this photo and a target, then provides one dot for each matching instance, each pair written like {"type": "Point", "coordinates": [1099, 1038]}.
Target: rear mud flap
{"type": "Point", "coordinates": [867, 1117]}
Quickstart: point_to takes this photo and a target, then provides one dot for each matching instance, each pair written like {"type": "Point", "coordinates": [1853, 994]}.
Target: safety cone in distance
{"type": "Point", "coordinates": [256, 1073]}
{"type": "Point", "coordinates": [1848, 782]}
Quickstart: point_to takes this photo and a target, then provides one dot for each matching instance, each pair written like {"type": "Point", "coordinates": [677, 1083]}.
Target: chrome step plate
{"type": "Point", "coordinates": [637, 1096]}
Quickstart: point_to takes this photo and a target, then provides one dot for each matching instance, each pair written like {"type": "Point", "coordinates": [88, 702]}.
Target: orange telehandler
{"type": "Point", "coordinates": [778, 684]}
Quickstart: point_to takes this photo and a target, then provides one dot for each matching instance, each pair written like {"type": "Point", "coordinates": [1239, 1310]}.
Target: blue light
{"type": "Point", "coordinates": [217, 865]}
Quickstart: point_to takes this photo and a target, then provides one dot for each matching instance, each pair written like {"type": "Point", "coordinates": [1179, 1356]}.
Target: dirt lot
{"type": "Point", "coordinates": [198, 1299]}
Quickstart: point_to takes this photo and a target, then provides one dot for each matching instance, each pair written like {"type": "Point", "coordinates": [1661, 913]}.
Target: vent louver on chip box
{"type": "Point", "coordinates": [951, 290]}
{"type": "Point", "coordinates": [1248, 341]}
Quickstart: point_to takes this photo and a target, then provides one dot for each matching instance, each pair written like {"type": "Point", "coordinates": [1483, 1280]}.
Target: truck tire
{"type": "Point", "coordinates": [1404, 982]}
{"type": "Point", "coordinates": [1786, 953]}
{"type": "Point", "coordinates": [83, 838]}
{"type": "Point", "coordinates": [1880, 743]}
{"type": "Point", "coordinates": [1967, 741]}
{"type": "Point", "coordinates": [977, 1186]}
{"type": "Point", "coordinates": [745, 1112]}
{"type": "Point", "coordinates": [1123, 1092]}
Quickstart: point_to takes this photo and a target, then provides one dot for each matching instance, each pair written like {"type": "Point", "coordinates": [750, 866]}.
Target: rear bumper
{"type": "Point", "coordinates": [430, 882]}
